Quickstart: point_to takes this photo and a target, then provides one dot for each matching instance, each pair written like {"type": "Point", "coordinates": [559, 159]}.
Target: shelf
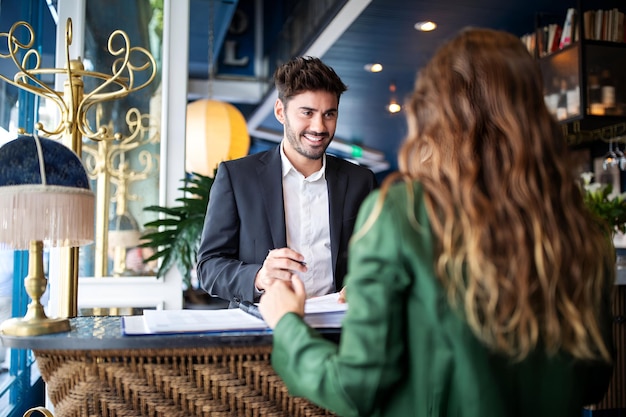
{"type": "Point", "coordinates": [585, 79]}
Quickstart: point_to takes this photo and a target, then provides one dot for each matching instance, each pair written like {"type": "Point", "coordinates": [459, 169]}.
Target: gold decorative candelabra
{"type": "Point", "coordinates": [74, 104]}
{"type": "Point", "coordinates": [108, 163]}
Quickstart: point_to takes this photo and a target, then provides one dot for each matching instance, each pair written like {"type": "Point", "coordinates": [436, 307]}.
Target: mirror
{"type": "Point", "coordinates": [124, 167]}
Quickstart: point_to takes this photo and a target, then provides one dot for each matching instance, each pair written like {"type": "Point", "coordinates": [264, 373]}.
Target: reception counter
{"type": "Point", "coordinates": [94, 370]}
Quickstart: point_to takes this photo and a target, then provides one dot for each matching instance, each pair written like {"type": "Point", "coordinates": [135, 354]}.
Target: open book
{"type": "Point", "coordinates": [319, 312]}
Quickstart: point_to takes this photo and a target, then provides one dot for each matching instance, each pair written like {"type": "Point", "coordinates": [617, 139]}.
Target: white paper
{"type": "Point", "coordinates": [325, 320]}
{"type": "Point", "coordinates": [324, 304]}
{"type": "Point", "coordinates": [132, 325]}
{"type": "Point", "coordinates": [320, 312]}
{"type": "Point", "coordinates": [164, 321]}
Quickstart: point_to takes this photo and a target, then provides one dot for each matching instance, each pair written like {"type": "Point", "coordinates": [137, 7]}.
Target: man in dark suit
{"type": "Point", "coordinates": [289, 209]}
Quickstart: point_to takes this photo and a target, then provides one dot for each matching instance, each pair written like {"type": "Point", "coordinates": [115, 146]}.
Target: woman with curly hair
{"type": "Point", "coordinates": [478, 283]}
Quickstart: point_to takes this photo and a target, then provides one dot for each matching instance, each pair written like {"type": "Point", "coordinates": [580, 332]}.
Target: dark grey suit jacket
{"type": "Point", "coordinates": [246, 218]}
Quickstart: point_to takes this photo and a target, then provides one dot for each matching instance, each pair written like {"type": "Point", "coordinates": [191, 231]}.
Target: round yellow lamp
{"type": "Point", "coordinates": [216, 132]}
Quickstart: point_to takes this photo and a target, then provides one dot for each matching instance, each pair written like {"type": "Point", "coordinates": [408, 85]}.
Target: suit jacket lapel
{"type": "Point", "coordinates": [337, 190]}
{"type": "Point", "coordinates": [269, 173]}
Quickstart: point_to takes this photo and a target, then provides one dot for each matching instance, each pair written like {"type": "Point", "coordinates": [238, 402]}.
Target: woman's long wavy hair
{"type": "Point", "coordinates": [517, 248]}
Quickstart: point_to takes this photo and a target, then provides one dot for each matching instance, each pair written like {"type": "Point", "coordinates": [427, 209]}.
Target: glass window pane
{"type": "Point", "coordinates": [124, 168]}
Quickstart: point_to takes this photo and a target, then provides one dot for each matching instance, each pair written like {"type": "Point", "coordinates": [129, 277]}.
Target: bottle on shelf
{"type": "Point", "coordinates": [561, 108]}
{"type": "Point", "coordinates": [551, 96]}
{"type": "Point", "coordinates": [573, 97]}
{"type": "Point", "coordinates": [594, 94]}
{"type": "Point", "coordinates": [608, 92]}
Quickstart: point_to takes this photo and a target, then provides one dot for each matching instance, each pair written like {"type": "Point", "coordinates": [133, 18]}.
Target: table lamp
{"type": "Point", "coordinates": [123, 234]}
{"type": "Point", "coordinates": [45, 197]}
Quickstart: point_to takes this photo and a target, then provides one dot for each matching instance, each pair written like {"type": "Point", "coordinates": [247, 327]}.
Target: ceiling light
{"type": "Point", "coordinates": [373, 67]}
{"type": "Point", "coordinates": [425, 26]}
{"type": "Point", "coordinates": [394, 107]}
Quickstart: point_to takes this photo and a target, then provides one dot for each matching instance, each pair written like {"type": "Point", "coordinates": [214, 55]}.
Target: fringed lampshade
{"type": "Point", "coordinates": [124, 233]}
{"type": "Point", "coordinates": [49, 201]}
{"type": "Point", "coordinates": [45, 197]}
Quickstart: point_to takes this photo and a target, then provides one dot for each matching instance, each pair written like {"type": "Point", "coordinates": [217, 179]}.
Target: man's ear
{"type": "Point", "coordinates": [279, 111]}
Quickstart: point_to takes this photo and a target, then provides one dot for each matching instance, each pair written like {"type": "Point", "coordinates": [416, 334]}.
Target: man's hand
{"type": "Point", "coordinates": [279, 264]}
{"type": "Point", "coordinates": [342, 296]}
{"type": "Point", "coordinates": [282, 297]}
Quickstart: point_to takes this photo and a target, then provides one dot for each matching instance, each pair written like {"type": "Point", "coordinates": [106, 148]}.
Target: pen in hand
{"type": "Point", "coordinates": [251, 309]}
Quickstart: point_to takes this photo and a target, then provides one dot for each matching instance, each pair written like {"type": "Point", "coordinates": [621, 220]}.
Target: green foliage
{"type": "Point", "coordinates": [611, 210]}
{"type": "Point", "coordinates": [157, 17]}
{"type": "Point", "coordinates": [178, 230]}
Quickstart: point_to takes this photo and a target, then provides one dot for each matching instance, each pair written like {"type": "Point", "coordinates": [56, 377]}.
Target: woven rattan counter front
{"type": "Point", "coordinates": [94, 371]}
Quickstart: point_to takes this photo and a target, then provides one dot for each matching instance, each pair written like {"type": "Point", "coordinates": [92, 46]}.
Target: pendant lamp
{"type": "Point", "coordinates": [216, 132]}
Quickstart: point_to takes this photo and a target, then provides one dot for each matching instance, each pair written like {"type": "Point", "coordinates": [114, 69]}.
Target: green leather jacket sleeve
{"type": "Point", "coordinates": [351, 379]}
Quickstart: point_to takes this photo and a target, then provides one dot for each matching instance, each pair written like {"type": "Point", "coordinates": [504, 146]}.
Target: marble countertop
{"type": "Point", "coordinates": [105, 333]}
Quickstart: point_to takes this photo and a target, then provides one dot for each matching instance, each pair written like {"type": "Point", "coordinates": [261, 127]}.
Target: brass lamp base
{"type": "Point", "coordinates": [35, 322]}
{"type": "Point", "coordinates": [34, 327]}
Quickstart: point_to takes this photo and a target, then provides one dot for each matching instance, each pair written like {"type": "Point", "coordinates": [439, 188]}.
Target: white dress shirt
{"type": "Point", "coordinates": [308, 224]}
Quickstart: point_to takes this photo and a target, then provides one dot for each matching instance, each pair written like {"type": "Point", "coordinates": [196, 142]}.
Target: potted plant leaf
{"type": "Point", "coordinates": [175, 235]}
{"type": "Point", "coordinates": [609, 209]}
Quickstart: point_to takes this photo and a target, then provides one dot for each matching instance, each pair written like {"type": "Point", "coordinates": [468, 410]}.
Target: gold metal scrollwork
{"type": "Point", "coordinates": [108, 163]}
{"type": "Point", "coordinates": [74, 104]}
{"type": "Point", "coordinates": [574, 135]}
{"type": "Point", "coordinates": [41, 410]}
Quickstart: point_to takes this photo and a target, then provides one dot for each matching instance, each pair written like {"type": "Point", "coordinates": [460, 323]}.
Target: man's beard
{"type": "Point", "coordinates": [296, 143]}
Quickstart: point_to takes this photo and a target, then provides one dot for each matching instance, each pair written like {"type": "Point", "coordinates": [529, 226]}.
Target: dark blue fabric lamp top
{"type": "Point", "coordinates": [122, 222]}
{"type": "Point", "coordinates": [19, 164]}
{"type": "Point", "coordinates": [44, 195]}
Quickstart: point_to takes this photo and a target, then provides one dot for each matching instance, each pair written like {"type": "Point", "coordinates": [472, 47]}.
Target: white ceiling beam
{"type": "Point", "coordinates": [318, 48]}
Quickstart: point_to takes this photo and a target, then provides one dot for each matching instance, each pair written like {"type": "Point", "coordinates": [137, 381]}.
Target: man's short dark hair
{"type": "Point", "coordinates": [306, 73]}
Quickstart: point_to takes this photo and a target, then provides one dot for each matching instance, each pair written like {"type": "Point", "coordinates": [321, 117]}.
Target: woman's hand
{"type": "Point", "coordinates": [279, 264]}
{"type": "Point", "coordinates": [282, 297]}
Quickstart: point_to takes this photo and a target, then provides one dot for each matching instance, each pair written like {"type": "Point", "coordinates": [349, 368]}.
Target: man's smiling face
{"type": "Point", "coordinates": [310, 120]}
